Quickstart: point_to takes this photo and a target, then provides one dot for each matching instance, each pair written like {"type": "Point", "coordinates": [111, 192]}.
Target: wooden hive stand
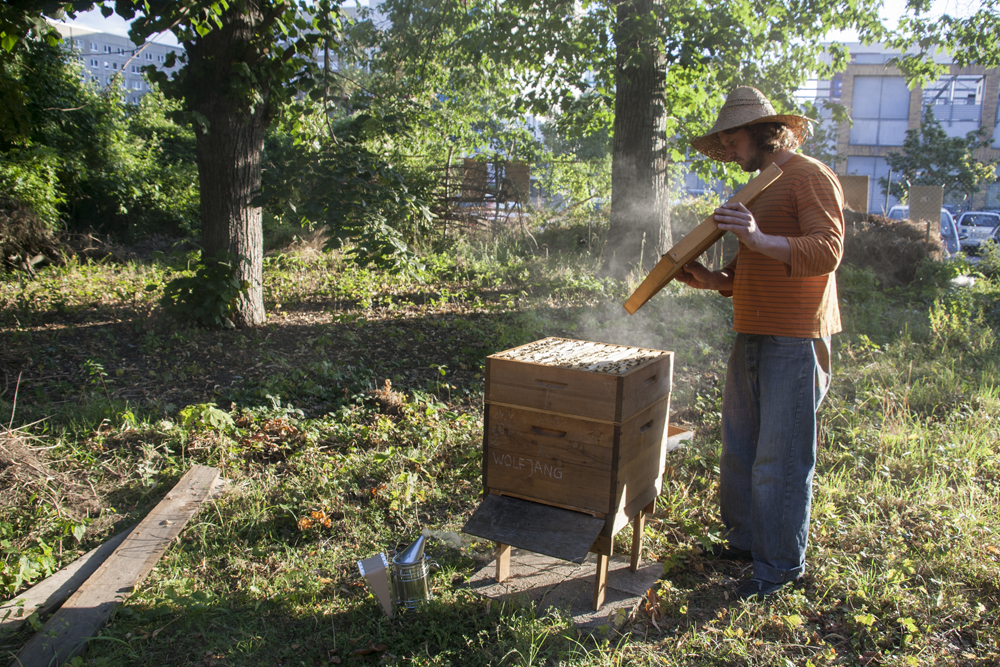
{"type": "Point", "coordinates": [574, 445]}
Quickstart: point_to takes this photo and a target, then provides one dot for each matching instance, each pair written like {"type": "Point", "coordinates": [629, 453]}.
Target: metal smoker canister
{"type": "Point", "coordinates": [409, 576]}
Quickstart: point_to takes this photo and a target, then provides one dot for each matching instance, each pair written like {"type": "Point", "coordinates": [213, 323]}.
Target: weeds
{"type": "Point", "coordinates": [352, 421]}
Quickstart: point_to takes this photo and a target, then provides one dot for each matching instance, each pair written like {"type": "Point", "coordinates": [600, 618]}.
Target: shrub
{"type": "Point", "coordinates": [989, 258]}
{"type": "Point", "coordinates": [893, 249]}
{"type": "Point", "coordinates": [206, 298]}
{"type": "Point", "coordinates": [29, 177]}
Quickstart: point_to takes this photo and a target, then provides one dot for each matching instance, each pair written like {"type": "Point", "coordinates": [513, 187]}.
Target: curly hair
{"type": "Point", "coordinates": [772, 137]}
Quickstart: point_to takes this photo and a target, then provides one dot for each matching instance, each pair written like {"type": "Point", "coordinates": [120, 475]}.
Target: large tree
{"type": "Point", "coordinates": [663, 70]}
{"type": "Point", "coordinates": [243, 60]}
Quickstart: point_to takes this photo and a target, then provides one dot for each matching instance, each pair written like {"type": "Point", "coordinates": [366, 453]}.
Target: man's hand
{"type": "Point", "coordinates": [736, 218]}
{"type": "Point", "coordinates": [697, 276]}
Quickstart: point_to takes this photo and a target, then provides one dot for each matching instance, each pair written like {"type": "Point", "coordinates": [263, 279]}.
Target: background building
{"type": "Point", "coordinates": [107, 58]}
{"type": "Point", "coordinates": [883, 109]}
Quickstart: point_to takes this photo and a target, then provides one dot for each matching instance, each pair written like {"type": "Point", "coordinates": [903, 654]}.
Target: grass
{"type": "Point", "coordinates": [352, 420]}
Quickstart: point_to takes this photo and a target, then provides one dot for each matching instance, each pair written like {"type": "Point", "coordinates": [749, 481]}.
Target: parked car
{"type": "Point", "coordinates": [949, 232]}
{"type": "Point", "coordinates": [974, 227]}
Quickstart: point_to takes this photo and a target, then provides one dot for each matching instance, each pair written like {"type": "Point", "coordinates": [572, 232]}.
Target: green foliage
{"type": "Point", "coordinates": [25, 568]}
{"type": "Point", "coordinates": [931, 157]}
{"type": "Point", "coordinates": [989, 258]}
{"type": "Point", "coordinates": [208, 297]}
{"type": "Point", "coordinates": [921, 35]}
{"type": "Point", "coordinates": [351, 182]}
{"type": "Point", "coordinates": [79, 154]}
{"type": "Point", "coordinates": [563, 55]}
{"type": "Point", "coordinates": [957, 321]}
{"type": "Point", "coordinates": [905, 535]}
{"type": "Point", "coordinates": [28, 175]}
{"type": "Point", "coordinates": [206, 416]}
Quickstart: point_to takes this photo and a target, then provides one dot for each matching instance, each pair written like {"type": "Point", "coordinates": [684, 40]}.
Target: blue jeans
{"type": "Point", "coordinates": [774, 386]}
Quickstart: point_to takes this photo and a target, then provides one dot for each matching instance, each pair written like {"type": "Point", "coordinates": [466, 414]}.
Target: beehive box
{"type": "Point", "coordinates": [577, 425]}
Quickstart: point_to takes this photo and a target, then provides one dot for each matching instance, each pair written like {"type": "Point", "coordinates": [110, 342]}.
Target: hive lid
{"type": "Point", "coordinates": [581, 355]}
{"type": "Point", "coordinates": [543, 529]}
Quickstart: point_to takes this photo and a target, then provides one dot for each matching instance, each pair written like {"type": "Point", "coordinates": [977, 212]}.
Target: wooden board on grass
{"type": "Point", "coordinates": [695, 243]}
{"type": "Point", "coordinates": [46, 596]}
{"type": "Point", "coordinates": [66, 634]}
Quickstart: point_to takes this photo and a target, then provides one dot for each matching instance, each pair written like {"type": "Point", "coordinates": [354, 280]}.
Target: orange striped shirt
{"type": "Point", "coordinates": [799, 299]}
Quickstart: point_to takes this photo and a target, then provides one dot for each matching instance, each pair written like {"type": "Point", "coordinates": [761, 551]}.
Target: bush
{"type": "Point", "coordinates": [22, 233]}
{"type": "Point", "coordinates": [893, 249]}
{"type": "Point", "coordinates": [208, 297]}
{"type": "Point", "coordinates": [989, 258]}
{"type": "Point", "coordinates": [29, 176]}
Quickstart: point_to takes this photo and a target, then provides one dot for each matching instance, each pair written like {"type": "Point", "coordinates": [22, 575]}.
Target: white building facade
{"type": "Point", "coordinates": [109, 60]}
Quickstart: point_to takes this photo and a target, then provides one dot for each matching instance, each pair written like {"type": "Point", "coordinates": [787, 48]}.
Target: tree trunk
{"type": "Point", "coordinates": [640, 184]}
{"type": "Point", "coordinates": [230, 149]}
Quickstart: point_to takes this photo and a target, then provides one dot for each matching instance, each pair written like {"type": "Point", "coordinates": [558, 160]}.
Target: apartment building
{"type": "Point", "coordinates": [883, 108]}
{"type": "Point", "coordinates": [109, 59]}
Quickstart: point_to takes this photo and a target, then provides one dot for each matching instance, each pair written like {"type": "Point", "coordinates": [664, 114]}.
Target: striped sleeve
{"type": "Point", "coordinates": [820, 210]}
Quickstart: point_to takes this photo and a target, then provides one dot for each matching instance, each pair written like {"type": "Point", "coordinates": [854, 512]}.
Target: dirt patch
{"type": "Point", "coordinates": [24, 471]}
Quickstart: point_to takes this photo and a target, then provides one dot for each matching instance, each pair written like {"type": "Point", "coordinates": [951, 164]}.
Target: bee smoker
{"type": "Point", "coordinates": [405, 584]}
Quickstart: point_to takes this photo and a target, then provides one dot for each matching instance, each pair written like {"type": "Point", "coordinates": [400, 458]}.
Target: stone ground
{"type": "Point", "coordinates": [552, 583]}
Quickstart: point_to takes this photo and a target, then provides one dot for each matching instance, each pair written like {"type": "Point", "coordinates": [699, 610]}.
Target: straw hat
{"type": "Point", "coordinates": [747, 106]}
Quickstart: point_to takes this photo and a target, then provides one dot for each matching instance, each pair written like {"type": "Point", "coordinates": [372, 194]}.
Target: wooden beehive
{"type": "Point", "coordinates": [577, 425]}
{"type": "Point", "coordinates": [574, 441]}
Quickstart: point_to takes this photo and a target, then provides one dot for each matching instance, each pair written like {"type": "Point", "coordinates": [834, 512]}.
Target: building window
{"type": "Point", "coordinates": [881, 111]}
{"type": "Point", "coordinates": [957, 103]}
{"type": "Point", "coordinates": [149, 56]}
{"type": "Point", "coordinates": [869, 58]}
{"type": "Point", "coordinates": [107, 49]}
{"type": "Point", "coordinates": [996, 126]}
{"type": "Point", "coordinates": [94, 63]}
{"type": "Point", "coordinates": [106, 64]}
{"type": "Point", "coordinates": [114, 65]}
{"type": "Point", "coordinates": [93, 46]}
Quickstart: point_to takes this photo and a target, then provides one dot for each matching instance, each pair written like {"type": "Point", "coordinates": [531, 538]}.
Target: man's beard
{"type": "Point", "coordinates": [754, 162]}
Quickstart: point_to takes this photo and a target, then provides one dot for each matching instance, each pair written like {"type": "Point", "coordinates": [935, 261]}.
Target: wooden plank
{"type": "Point", "coordinates": [676, 436]}
{"type": "Point", "coordinates": [600, 581]}
{"type": "Point", "coordinates": [571, 508]}
{"type": "Point", "coordinates": [631, 507]}
{"type": "Point", "coordinates": [86, 611]}
{"type": "Point", "coordinates": [540, 528]}
{"type": "Point", "coordinates": [550, 480]}
{"type": "Point", "coordinates": [643, 433]}
{"type": "Point", "coordinates": [503, 562]}
{"type": "Point", "coordinates": [548, 436]}
{"type": "Point", "coordinates": [695, 243]}
{"type": "Point", "coordinates": [550, 412]}
{"type": "Point", "coordinates": [45, 597]}
{"type": "Point", "coordinates": [638, 526]}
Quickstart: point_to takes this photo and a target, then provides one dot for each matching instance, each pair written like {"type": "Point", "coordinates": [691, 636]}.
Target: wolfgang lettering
{"type": "Point", "coordinates": [530, 466]}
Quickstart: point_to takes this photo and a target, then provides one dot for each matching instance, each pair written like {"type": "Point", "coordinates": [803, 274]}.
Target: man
{"type": "Point", "coordinates": [785, 310]}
